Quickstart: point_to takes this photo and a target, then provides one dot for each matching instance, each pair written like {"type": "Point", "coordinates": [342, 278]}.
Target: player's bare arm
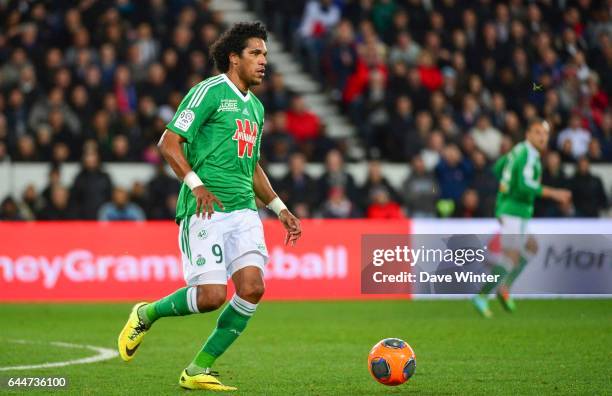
{"type": "Point", "coordinates": [561, 195]}
{"type": "Point", "coordinates": [264, 191]}
{"type": "Point", "coordinates": [170, 146]}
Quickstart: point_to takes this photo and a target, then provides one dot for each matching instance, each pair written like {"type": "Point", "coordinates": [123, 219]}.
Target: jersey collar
{"type": "Point", "coordinates": [531, 148]}
{"type": "Point", "coordinates": [236, 90]}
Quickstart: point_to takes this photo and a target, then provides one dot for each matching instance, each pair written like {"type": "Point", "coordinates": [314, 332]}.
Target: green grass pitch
{"type": "Point", "coordinates": [320, 348]}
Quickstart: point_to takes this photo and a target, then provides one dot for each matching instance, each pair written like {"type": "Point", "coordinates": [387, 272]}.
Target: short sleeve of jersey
{"type": "Point", "coordinates": [195, 109]}
{"type": "Point", "coordinates": [263, 122]}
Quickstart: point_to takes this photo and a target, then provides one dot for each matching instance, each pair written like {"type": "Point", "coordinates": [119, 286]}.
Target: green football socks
{"type": "Point", "coordinates": [507, 278]}
{"type": "Point", "coordinates": [516, 271]}
{"type": "Point", "coordinates": [490, 286]}
{"type": "Point", "coordinates": [181, 302]}
{"type": "Point", "coordinates": [231, 323]}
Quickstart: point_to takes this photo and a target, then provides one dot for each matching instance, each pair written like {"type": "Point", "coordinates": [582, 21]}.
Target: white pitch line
{"type": "Point", "coordinates": [101, 354]}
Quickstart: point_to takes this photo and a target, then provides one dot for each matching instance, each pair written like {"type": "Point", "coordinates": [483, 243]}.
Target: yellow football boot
{"type": "Point", "coordinates": [206, 380]}
{"type": "Point", "coordinates": [132, 334]}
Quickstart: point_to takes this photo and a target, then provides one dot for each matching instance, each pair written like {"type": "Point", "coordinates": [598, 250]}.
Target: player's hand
{"type": "Point", "coordinates": [563, 196]}
{"type": "Point", "coordinates": [292, 225]}
{"type": "Point", "coordinates": [205, 201]}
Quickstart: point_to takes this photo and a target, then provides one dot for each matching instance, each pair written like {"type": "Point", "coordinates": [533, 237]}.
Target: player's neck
{"type": "Point", "coordinates": [238, 82]}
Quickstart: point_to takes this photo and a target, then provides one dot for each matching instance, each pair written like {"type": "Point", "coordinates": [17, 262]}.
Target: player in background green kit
{"type": "Point", "coordinates": [212, 144]}
{"type": "Point", "coordinates": [519, 173]}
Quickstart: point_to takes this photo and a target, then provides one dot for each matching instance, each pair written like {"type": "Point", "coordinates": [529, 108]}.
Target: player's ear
{"type": "Point", "coordinates": [233, 58]}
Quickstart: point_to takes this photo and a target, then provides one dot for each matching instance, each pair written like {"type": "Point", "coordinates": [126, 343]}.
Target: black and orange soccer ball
{"type": "Point", "coordinates": [392, 361]}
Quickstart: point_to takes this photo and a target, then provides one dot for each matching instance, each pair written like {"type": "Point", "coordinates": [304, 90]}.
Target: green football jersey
{"type": "Point", "coordinates": [222, 127]}
{"type": "Point", "coordinates": [520, 174]}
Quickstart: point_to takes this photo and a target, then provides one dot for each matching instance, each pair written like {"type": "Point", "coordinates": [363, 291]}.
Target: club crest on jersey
{"type": "Point", "coordinates": [246, 136]}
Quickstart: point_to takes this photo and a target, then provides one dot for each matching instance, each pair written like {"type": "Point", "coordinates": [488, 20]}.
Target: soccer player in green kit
{"type": "Point", "coordinates": [519, 172]}
{"type": "Point", "coordinates": [212, 144]}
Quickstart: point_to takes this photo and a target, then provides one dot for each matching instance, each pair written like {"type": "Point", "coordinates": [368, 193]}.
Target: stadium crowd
{"type": "Point", "coordinates": [445, 87]}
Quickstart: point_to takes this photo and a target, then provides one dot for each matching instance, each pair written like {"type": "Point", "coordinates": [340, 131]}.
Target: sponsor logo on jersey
{"type": "Point", "coordinates": [246, 136]}
{"type": "Point", "coordinates": [228, 105]}
{"type": "Point", "coordinates": [245, 112]}
{"type": "Point", "coordinates": [184, 120]}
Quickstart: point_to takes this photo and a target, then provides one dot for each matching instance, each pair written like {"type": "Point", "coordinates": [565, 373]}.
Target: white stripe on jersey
{"type": "Point", "coordinates": [199, 100]}
{"type": "Point", "coordinates": [201, 87]}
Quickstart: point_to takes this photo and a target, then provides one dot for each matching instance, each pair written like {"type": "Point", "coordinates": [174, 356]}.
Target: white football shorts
{"type": "Point", "coordinates": [212, 250]}
{"type": "Point", "coordinates": [514, 232]}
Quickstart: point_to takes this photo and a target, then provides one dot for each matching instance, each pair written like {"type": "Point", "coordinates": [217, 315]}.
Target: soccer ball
{"type": "Point", "coordinates": [392, 361]}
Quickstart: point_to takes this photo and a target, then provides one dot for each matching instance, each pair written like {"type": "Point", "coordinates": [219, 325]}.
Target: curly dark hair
{"type": "Point", "coordinates": [235, 40]}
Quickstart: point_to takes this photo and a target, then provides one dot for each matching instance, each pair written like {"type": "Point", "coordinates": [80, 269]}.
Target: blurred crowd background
{"type": "Point", "coordinates": [443, 87]}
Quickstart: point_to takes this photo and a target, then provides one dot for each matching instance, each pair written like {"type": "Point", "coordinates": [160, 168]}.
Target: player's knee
{"type": "Point", "coordinates": [252, 292]}
{"type": "Point", "coordinates": [531, 246]}
{"type": "Point", "coordinates": [210, 299]}
{"type": "Point", "coordinates": [513, 256]}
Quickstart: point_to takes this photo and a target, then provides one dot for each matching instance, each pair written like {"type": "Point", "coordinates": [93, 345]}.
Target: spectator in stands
{"type": "Point", "coordinates": [484, 183]}
{"type": "Point", "coordinates": [432, 153]}
{"type": "Point", "coordinates": [336, 176]}
{"type": "Point", "coordinates": [120, 149]}
{"type": "Point", "coordinates": [54, 101]}
{"type": "Point", "coordinates": [297, 187]}
{"type": "Point", "coordinates": [373, 184]}
{"type": "Point", "coordinates": [454, 173]}
{"type": "Point", "coordinates": [405, 50]}
{"type": "Point", "coordinates": [319, 18]}
{"type": "Point", "coordinates": [16, 116]}
{"type": "Point", "coordinates": [302, 211]}
{"type": "Point", "coordinates": [317, 150]}
{"type": "Point", "coordinates": [278, 97]}
{"type": "Point", "coordinates": [159, 190]}
{"type": "Point", "coordinates": [82, 105]}
{"type": "Point", "coordinates": [554, 176]}
{"type": "Point", "coordinates": [373, 117]}
{"type": "Point", "coordinates": [430, 74]}
{"type": "Point", "coordinates": [31, 203]}
{"type": "Point", "coordinates": [338, 206]}
{"type": "Point", "coordinates": [9, 210]}
{"type": "Point", "coordinates": [138, 195]}
{"type": "Point", "coordinates": [587, 189]}
{"type": "Point", "coordinates": [57, 207]}
{"type": "Point", "coordinates": [420, 190]}
{"type": "Point", "coordinates": [92, 187]}
{"type": "Point", "coordinates": [54, 179]}
{"type": "Point", "coordinates": [120, 208]}
{"type": "Point", "coordinates": [371, 59]}
{"type": "Point", "coordinates": [486, 137]}
{"type": "Point", "coordinates": [278, 143]}
{"type": "Point", "coordinates": [399, 136]}
{"type": "Point", "coordinates": [469, 206]}
{"type": "Point", "coordinates": [156, 85]}
{"type": "Point", "coordinates": [594, 153]}
{"type": "Point", "coordinates": [26, 149]}
{"type": "Point", "coordinates": [469, 113]}
{"type": "Point", "coordinates": [342, 57]}
{"type": "Point", "coordinates": [302, 124]}
{"type": "Point", "coordinates": [574, 140]}
{"type": "Point", "coordinates": [382, 207]}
